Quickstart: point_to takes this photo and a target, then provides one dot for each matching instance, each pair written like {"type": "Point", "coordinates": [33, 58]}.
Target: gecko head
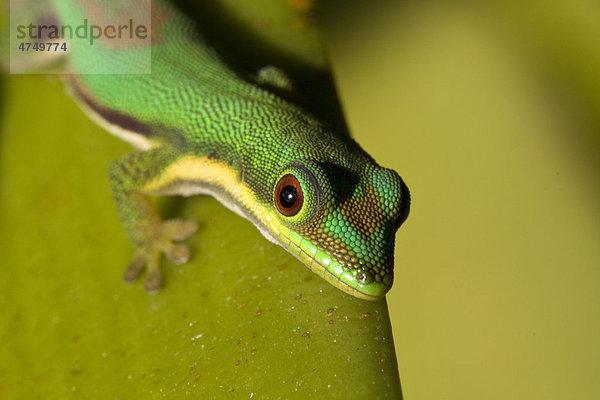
{"type": "Point", "coordinates": [341, 222]}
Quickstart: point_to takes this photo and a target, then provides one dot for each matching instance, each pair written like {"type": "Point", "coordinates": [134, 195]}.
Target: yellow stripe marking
{"type": "Point", "coordinates": [193, 174]}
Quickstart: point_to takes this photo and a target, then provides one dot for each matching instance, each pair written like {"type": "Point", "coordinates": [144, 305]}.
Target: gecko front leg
{"type": "Point", "coordinates": [133, 178]}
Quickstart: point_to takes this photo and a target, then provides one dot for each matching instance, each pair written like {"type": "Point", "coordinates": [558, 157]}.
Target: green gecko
{"type": "Point", "coordinates": [199, 127]}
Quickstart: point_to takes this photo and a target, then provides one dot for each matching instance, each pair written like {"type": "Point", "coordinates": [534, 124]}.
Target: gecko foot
{"type": "Point", "coordinates": [148, 256]}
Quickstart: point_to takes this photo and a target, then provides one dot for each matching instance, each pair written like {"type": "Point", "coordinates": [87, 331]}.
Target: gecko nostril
{"type": "Point", "coordinates": [361, 277]}
{"type": "Point", "coordinates": [364, 277]}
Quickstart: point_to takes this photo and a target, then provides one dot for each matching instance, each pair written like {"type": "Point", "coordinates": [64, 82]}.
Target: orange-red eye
{"type": "Point", "coordinates": [288, 196]}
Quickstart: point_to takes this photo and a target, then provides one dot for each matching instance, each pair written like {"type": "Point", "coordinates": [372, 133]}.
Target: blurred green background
{"type": "Point", "coordinates": [491, 113]}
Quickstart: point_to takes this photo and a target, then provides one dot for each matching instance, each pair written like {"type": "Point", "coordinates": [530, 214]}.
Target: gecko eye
{"type": "Point", "coordinates": [288, 196]}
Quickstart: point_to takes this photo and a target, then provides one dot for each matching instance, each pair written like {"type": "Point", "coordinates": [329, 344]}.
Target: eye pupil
{"type": "Point", "coordinates": [288, 196]}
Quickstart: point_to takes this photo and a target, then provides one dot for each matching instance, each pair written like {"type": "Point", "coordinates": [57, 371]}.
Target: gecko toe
{"type": "Point", "coordinates": [153, 281]}
{"type": "Point", "coordinates": [179, 229]}
{"type": "Point", "coordinates": [178, 254]}
{"type": "Point", "coordinates": [135, 268]}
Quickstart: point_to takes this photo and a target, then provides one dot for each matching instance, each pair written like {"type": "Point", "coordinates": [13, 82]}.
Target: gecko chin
{"type": "Point", "coordinates": [354, 281]}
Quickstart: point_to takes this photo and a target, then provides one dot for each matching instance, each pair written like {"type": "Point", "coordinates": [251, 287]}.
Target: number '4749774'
{"type": "Point", "coordinates": [40, 46]}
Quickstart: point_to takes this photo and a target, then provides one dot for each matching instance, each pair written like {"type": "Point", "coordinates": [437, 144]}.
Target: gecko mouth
{"type": "Point", "coordinates": [350, 280]}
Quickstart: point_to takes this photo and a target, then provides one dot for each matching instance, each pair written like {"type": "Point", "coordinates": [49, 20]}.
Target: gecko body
{"type": "Point", "coordinates": [200, 128]}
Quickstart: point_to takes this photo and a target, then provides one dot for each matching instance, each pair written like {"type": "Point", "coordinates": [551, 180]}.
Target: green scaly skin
{"type": "Point", "coordinates": [203, 129]}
